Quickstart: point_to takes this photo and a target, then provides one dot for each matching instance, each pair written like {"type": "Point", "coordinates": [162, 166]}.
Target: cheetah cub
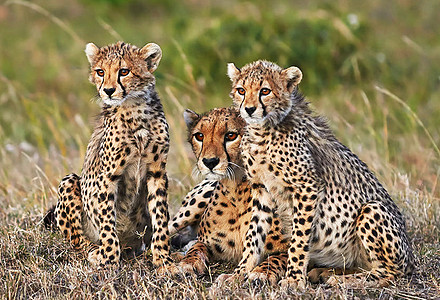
{"type": "Point", "coordinates": [221, 205]}
{"type": "Point", "coordinates": [119, 203]}
{"type": "Point", "coordinates": [342, 216]}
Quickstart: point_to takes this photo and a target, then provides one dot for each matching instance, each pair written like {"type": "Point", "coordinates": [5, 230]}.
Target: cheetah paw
{"type": "Point", "coordinates": [320, 275]}
{"type": "Point", "coordinates": [293, 284]}
{"type": "Point", "coordinates": [168, 270]}
{"type": "Point", "coordinates": [97, 258]}
{"type": "Point", "coordinates": [228, 279]}
{"type": "Point", "coordinates": [178, 270]}
{"type": "Point", "coordinates": [259, 278]}
{"type": "Point", "coordinates": [162, 260]}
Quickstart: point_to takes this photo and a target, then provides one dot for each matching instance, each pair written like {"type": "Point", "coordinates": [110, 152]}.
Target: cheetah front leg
{"type": "Point", "coordinates": [270, 270]}
{"type": "Point", "coordinates": [273, 268]}
{"type": "Point", "coordinates": [195, 261]}
{"type": "Point", "coordinates": [298, 254]}
{"type": "Point", "coordinates": [260, 224]}
{"type": "Point", "coordinates": [68, 212]}
{"type": "Point", "coordinates": [108, 252]}
{"type": "Point", "coordinates": [193, 206]}
{"type": "Point", "coordinates": [157, 185]}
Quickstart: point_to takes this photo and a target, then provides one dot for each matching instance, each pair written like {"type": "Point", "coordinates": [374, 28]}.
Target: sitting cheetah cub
{"type": "Point", "coordinates": [342, 216]}
{"type": "Point", "coordinates": [221, 205]}
{"type": "Point", "coordinates": [119, 203]}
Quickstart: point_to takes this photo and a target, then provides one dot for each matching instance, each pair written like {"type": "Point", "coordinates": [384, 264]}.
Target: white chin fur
{"type": "Point", "coordinates": [251, 120]}
{"type": "Point", "coordinates": [113, 102]}
{"type": "Point", "coordinates": [213, 176]}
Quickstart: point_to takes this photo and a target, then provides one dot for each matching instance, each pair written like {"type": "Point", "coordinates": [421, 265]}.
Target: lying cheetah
{"type": "Point", "coordinates": [342, 216]}
{"type": "Point", "coordinates": [221, 204]}
{"type": "Point", "coordinates": [120, 200]}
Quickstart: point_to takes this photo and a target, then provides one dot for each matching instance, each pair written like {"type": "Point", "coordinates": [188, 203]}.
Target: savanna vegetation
{"type": "Point", "coordinates": [371, 67]}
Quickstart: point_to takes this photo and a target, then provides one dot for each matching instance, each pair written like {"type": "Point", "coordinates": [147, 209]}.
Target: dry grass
{"type": "Point", "coordinates": [38, 264]}
{"type": "Point", "coordinates": [382, 101]}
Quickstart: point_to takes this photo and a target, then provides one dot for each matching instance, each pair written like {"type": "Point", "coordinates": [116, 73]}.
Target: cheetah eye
{"type": "Point", "coordinates": [241, 91]}
{"type": "Point", "coordinates": [124, 72]}
{"type": "Point", "coordinates": [265, 91]}
{"type": "Point", "coordinates": [199, 136]}
{"type": "Point", "coordinates": [230, 136]}
{"type": "Point", "coordinates": [100, 72]}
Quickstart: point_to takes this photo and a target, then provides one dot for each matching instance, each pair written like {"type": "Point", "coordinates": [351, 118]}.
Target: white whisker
{"type": "Point", "coordinates": [196, 174]}
{"type": "Point", "coordinates": [230, 174]}
{"type": "Point", "coordinates": [235, 165]}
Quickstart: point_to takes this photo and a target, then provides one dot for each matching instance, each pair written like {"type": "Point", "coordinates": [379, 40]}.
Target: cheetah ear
{"type": "Point", "coordinates": [91, 50]}
{"type": "Point", "coordinates": [293, 76]}
{"type": "Point", "coordinates": [190, 117]}
{"type": "Point", "coordinates": [233, 71]}
{"type": "Point", "coordinates": [152, 54]}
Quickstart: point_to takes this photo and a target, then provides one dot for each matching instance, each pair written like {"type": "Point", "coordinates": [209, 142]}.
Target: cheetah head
{"type": "Point", "coordinates": [262, 91]}
{"type": "Point", "coordinates": [215, 138]}
{"type": "Point", "coordinates": [122, 71]}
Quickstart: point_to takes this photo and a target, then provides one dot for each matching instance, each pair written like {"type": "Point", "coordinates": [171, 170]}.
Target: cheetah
{"type": "Point", "coordinates": [118, 205]}
{"type": "Point", "coordinates": [341, 215]}
{"type": "Point", "coordinates": [221, 205]}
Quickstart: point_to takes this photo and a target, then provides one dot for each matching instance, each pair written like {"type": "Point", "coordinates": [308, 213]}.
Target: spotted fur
{"type": "Point", "coordinates": [119, 203]}
{"type": "Point", "coordinates": [221, 205]}
{"type": "Point", "coordinates": [342, 216]}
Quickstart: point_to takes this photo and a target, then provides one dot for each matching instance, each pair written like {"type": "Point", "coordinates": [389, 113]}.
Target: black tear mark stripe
{"type": "Point", "coordinates": [124, 93]}
{"type": "Point", "coordinates": [259, 98]}
{"type": "Point", "coordinates": [224, 145]}
{"type": "Point", "coordinates": [262, 105]}
{"type": "Point", "coordinates": [102, 82]}
{"type": "Point", "coordinates": [201, 150]}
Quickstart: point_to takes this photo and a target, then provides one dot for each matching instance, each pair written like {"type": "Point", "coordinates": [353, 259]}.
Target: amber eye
{"type": "Point", "coordinates": [124, 72]}
{"type": "Point", "coordinates": [241, 91]}
{"type": "Point", "coordinates": [199, 136]}
{"type": "Point", "coordinates": [230, 136]}
{"type": "Point", "coordinates": [100, 72]}
{"type": "Point", "coordinates": [265, 91]}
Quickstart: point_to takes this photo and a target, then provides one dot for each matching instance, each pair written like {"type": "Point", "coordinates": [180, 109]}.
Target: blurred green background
{"type": "Point", "coordinates": [371, 67]}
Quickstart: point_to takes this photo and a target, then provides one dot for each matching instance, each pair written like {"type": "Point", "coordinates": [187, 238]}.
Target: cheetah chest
{"type": "Point", "coordinates": [145, 144]}
{"type": "Point", "coordinates": [262, 167]}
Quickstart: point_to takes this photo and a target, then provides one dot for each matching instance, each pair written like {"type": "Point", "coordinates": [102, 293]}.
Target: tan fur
{"type": "Point", "coordinates": [119, 203]}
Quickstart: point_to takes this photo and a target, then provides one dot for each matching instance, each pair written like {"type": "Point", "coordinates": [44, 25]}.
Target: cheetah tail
{"type": "Point", "coordinates": [49, 219]}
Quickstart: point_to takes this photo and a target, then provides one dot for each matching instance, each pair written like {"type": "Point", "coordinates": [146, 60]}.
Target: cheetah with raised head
{"type": "Point", "coordinates": [221, 205]}
{"type": "Point", "coordinates": [342, 216]}
{"type": "Point", "coordinates": [119, 203]}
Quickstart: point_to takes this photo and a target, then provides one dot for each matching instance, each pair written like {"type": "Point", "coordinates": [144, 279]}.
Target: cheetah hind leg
{"type": "Point", "coordinates": [68, 212]}
{"type": "Point", "coordinates": [271, 270]}
{"type": "Point", "coordinates": [388, 253]}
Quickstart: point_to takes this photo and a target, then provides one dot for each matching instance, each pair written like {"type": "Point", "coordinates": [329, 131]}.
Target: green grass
{"type": "Point", "coordinates": [371, 68]}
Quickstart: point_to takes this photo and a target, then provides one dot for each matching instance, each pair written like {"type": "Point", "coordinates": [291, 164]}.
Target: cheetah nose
{"type": "Point", "coordinates": [250, 110]}
{"type": "Point", "coordinates": [110, 91]}
{"type": "Point", "coordinates": [211, 162]}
